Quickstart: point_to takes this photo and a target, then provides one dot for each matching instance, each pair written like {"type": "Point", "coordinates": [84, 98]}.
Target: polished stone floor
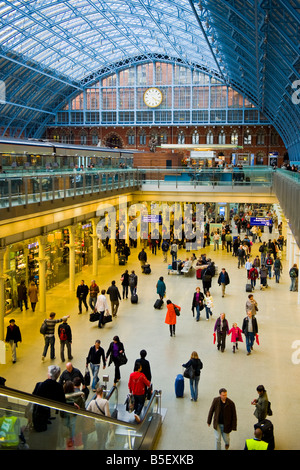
{"type": "Point", "coordinates": [273, 363]}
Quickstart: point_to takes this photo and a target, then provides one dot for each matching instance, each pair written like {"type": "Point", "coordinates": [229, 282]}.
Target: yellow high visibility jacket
{"type": "Point", "coordinates": [255, 444]}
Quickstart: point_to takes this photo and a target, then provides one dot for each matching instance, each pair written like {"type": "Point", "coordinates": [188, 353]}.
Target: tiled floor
{"type": "Point", "coordinates": [142, 327]}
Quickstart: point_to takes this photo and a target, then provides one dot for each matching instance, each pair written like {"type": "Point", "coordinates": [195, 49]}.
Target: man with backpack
{"type": "Point", "coordinates": [65, 336]}
{"type": "Point", "coordinates": [48, 329]}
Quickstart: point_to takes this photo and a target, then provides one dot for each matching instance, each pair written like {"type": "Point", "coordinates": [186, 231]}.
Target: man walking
{"type": "Point", "coordinates": [223, 413]}
{"type": "Point", "coordinates": [223, 280]}
{"type": "Point", "coordinates": [115, 296]}
{"type": "Point", "coordinates": [65, 336]}
{"type": "Point", "coordinates": [95, 354]}
{"type": "Point", "coordinates": [250, 330]}
{"type": "Point", "coordinates": [49, 335]}
{"type": "Point", "coordinates": [82, 292]}
{"type": "Point", "coordinates": [13, 336]}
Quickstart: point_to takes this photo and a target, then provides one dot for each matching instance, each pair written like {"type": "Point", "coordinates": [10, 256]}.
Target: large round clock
{"type": "Point", "coordinates": [153, 97]}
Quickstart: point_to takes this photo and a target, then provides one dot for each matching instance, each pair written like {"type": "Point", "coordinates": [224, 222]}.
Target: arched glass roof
{"type": "Point", "coordinates": [51, 49]}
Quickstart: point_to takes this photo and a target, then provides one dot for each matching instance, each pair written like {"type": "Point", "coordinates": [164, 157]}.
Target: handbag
{"type": "Point", "coordinates": [177, 311]}
{"type": "Point", "coordinates": [122, 359]}
{"type": "Point", "coordinates": [94, 316]}
{"type": "Point", "coordinates": [106, 319]}
{"type": "Point", "coordinates": [87, 377]}
{"type": "Point", "coordinates": [189, 372]}
{"type": "Point", "coordinates": [129, 403]}
{"type": "Point", "coordinates": [269, 412]}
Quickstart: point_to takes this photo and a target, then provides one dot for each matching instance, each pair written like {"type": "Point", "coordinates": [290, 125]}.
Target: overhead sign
{"type": "Point", "coordinates": [266, 221]}
{"type": "Point", "coordinates": [154, 218]}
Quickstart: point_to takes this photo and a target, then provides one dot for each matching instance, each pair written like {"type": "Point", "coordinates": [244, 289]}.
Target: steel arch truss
{"type": "Point", "coordinates": [256, 43]}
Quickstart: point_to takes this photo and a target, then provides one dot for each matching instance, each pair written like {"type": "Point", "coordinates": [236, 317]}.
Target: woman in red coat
{"type": "Point", "coordinates": [171, 316]}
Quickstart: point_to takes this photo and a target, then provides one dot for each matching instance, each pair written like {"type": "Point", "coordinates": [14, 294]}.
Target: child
{"type": "Point", "coordinates": [236, 336]}
{"type": "Point", "coordinates": [209, 303]}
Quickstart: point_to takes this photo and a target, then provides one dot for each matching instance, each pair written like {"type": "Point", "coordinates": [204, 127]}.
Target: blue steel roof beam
{"type": "Point", "coordinates": [42, 42]}
{"type": "Point", "coordinates": [206, 38]}
{"type": "Point", "coordinates": [26, 63]}
{"type": "Point", "coordinates": [135, 43]}
{"type": "Point", "coordinates": [161, 30]}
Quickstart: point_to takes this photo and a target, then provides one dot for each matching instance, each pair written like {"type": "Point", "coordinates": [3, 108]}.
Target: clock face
{"type": "Point", "coordinates": [153, 97]}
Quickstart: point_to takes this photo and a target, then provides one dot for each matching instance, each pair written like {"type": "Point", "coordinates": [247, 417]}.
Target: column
{"type": "Point", "coordinates": [113, 250]}
{"type": "Point", "coordinates": [71, 246]}
{"type": "Point", "coordinates": [95, 246]}
{"type": "Point", "coordinates": [297, 261]}
{"type": "Point", "coordinates": [289, 256]}
{"type": "Point", "coordinates": [2, 293]}
{"type": "Point", "coordinates": [42, 273]}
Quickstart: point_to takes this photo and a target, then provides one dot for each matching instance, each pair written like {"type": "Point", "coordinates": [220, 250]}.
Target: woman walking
{"type": "Point", "coordinates": [221, 328]}
{"type": "Point", "coordinates": [125, 284]}
{"type": "Point", "coordinates": [33, 295]}
{"type": "Point", "coordinates": [171, 316]}
{"type": "Point", "coordinates": [198, 303]}
{"type": "Point", "coordinates": [196, 365]}
{"type": "Point", "coordinates": [161, 288]}
{"type": "Point", "coordinates": [116, 348]}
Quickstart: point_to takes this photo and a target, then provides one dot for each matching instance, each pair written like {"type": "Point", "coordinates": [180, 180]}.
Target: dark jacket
{"type": "Point", "coordinates": [196, 364]}
{"type": "Point", "coordinates": [146, 369]}
{"type": "Point", "coordinates": [200, 301]}
{"type": "Point", "coordinates": [113, 293]}
{"type": "Point", "coordinates": [95, 356]}
{"type": "Point", "coordinates": [229, 414]}
{"type": "Point", "coordinates": [22, 292]}
{"type": "Point", "coordinates": [217, 326]}
{"type": "Point", "coordinates": [66, 375]}
{"type": "Point", "coordinates": [13, 333]}
{"type": "Point", "coordinates": [67, 328]}
{"type": "Point", "coordinates": [110, 351]}
{"type": "Point", "coordinates": [223, 278]}
{"type": "Point", "coordinates": [142, 256]}
{"type": "Point", "coordinates": [82, 291]}
{"type": "Point", "coordinates": [246, 324]}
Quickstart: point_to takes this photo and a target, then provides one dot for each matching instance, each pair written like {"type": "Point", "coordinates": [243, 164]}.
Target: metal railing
{"type": "Point", "coordinates": [24, 189]}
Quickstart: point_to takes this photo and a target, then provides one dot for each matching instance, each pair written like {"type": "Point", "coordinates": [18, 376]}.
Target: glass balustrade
{"type": "Point", "coordinates": [28, 422]}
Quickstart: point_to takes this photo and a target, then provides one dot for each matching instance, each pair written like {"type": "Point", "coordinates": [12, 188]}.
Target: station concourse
{"type": "Point", "coordinates": [273, 362]}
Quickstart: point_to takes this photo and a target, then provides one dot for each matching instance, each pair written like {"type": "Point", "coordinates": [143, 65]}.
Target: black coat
{"type": "Point", "coordinates": [110, 350]}
{"type": "Point", "coordinates": [13, 334]}
{"type": "Point", "coordinates": [200, 302]}
{"type": "Point", "coordinates": [246, 323]}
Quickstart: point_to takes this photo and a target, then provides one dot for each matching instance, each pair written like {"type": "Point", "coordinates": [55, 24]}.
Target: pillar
{"type": "Point", "coordinates": [95, 246]}
{"type": "Point", "coordinates": [71, 246]}
{"type": "Point", "coordinates": [42, 273]}
{"type": "Point", "coordinates": [113, 250]}
{"type": "Point", "coordinates": [2, 292]}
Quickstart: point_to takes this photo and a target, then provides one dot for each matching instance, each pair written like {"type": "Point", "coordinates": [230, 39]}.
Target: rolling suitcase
{"type": "Point", "coordinates": [179, 386]}
{"type": "Point", "coordinates": [198, 273]}
{"type": "Point", "coordinates": [158, 304]}
{"type": "Point", "coordinates": [122, 260]}
{"type": "Point", "coordinates": [268, 432]}
{"type": "Point", "coordinates": [174, 265]}
{"type": "Point", "coordinates": [248, 288]}
{"type": "Point", "coordinates": [134, 299]}
{"type": "Point", "coordinates": [147, 269]}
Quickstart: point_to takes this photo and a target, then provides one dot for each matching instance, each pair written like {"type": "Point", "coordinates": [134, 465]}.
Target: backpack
{"type": "Point", "coordinates": [269, 261]}
{"type": "Point", "coordinates": [62, 334]}
{"type": "Point", "coordinates": [43, 329]}
{"type": "Point", "coordinates": [293, 273]}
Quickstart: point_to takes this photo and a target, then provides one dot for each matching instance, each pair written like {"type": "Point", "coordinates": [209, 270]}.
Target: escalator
{"type": "Point", "coordinates": [69, 428]}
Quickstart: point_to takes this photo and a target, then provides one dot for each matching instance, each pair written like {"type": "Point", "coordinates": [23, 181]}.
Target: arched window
{"type": "Point", "coordinates": [181, 138]}
{"type": "Point", "coordinates": [260, 138]}
{"type": "Point", "coordinates": [247, 137]}
{"type": "Point", "coordinates": [131, 138]}
{"type": "Point", "coordinates": [209, 138]}
{"type": "Point", "coordinates": [222, 138]}
{"type": "Point", "coordinates": [195, 137]}
{"type": "Point", "coordinates": [142, 138]}
{"type": "Point", "coordinates": [234, 138]}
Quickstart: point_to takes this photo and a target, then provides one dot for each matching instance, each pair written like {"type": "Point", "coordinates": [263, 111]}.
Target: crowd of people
{"type": "Point", "coordinates": [261, 267]}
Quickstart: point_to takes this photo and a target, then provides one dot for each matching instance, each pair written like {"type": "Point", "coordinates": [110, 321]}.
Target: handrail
{"type": "Point", "coordinates": [16, 394]}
